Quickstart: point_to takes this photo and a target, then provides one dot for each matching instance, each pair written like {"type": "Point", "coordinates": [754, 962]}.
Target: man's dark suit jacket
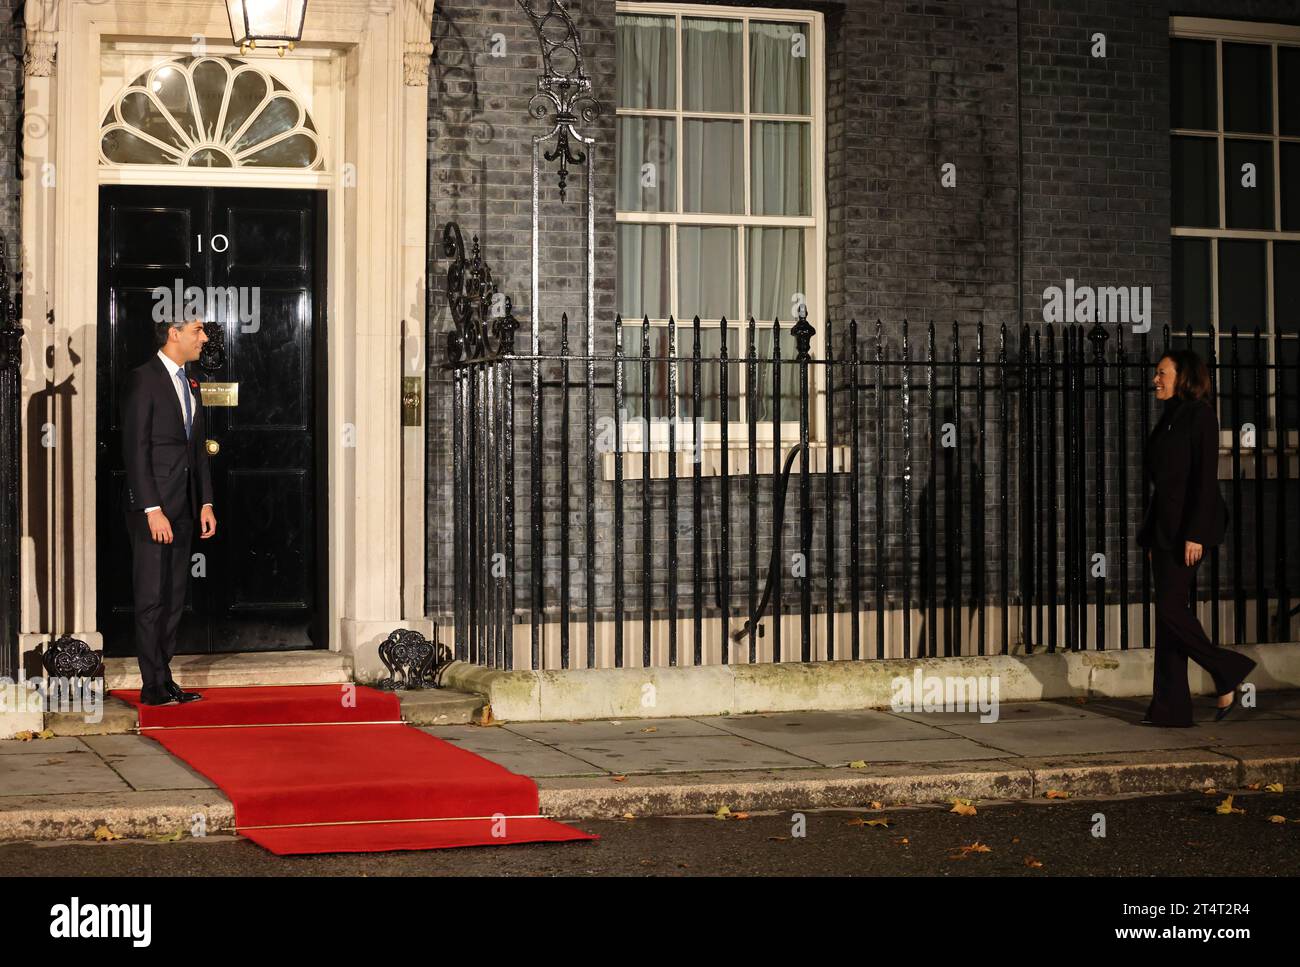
{"type": "Point", "coordinates": [163, 468]}
{"type": "Point", "coordinates": [1181, 459]}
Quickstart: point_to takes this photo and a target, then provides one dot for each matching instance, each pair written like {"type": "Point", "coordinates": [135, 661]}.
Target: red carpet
{"type": "Point", "coordinates": [291, 766]}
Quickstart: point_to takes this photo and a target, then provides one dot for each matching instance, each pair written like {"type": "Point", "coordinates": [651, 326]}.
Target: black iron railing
{"type": "Point", "coordinates": [824, 504]}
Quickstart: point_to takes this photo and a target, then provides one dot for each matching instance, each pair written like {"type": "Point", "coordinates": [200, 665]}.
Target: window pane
{"type": "Point", "coordinates": [789, 381]}
{"type": "Point", "coordinates": [646, 52]}
{"type": "Point", "coordinates": [1192, 292]}
{"type": "Point", "coordinates": [1287, 351]}
{"type": "Point", "coordinates": [643, 271]}
{"type": "Point", "coordinates": [1248, 88]}
{"type": "Point", "coordinates": [1290, 187]}
{"type": "Point", "coordinates": [708, 284]}
{"type": "Point", "coordinates": [139, 111]}
{"type": "Point", "coordinates": [778, 68]}
{"type": "Point", "coordinates": [1241, 285]}
{"type": "Point", "coordinates": [712, 171]}
{"type": "Point", "coordinates": [1248, 207]}
{"type": "Point", "coordinates": [1286, 286]}
{"type": "Point", "coordinates": [710, 374]}
{"type": "Point", "coordinates": [711, 59]}
{"type": "Point", "coordinates": [1194, 94]}
{"type": "Point", "coordinates": [638, 374]}
{"type": "Point", "coordinates": [1288, 85]}
{"type": "Point", "coordinates": [774, 267]}
{"type": "Point", "coordinates": [1240, 376]}
{"type": "Point", "coordinates": [780, 168]}
{"type": "Point", "coordinates": [1195, 182]}
{"type": "Point", "coordinates": [647, 164]}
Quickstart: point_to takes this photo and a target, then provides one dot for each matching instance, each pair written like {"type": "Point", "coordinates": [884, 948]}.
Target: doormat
{"type": "Point", "coordinates": [333, 769]}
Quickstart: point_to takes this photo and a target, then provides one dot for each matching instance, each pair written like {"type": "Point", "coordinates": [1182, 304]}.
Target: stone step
{"type": "Point", "coordinates": [315, 667]}
{"type": "Point", "coordinates": [441, 706]}
{"type": "Point", "coordinates": [434, 706]}
{"type": "Point", "coordinates": [118, 718]}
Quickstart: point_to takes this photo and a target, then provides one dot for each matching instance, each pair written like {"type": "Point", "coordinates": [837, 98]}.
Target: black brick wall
{"type": "Point", "coordinates": [1062, 172]}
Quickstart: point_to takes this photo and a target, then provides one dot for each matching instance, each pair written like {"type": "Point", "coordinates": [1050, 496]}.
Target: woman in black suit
{"type": "Point", "coordinates": [1187, 513]}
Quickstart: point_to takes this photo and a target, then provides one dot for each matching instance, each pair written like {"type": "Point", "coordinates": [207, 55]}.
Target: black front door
{"type": "Point", "coordinates": [252, 261]}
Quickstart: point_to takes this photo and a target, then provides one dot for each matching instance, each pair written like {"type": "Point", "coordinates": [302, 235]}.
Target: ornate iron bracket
{"type": "Point", "coordinates": [484, 320]}
{"type": "Point", "coordinates": [564, 90]}
{"type": "Point", "coordinates": [412, 660]}
{"type": "Point", "coordinates": [70, 657]}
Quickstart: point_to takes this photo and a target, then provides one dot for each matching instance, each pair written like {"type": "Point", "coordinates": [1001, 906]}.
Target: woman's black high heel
{"type": "Point", "coordinates": [1221, 712]}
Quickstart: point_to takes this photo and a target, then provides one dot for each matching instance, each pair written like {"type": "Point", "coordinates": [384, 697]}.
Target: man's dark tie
{"type": "Point", "coordinates": [185, 395]}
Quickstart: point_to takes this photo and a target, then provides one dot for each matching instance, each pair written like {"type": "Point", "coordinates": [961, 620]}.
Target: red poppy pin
{"type": "Point", "coordinates": [194, 384]}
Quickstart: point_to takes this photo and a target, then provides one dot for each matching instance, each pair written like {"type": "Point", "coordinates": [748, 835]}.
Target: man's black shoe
{"type": "Point", "coordinates": [180, 695]}
{"type": "Point", "coordinates": [156, 698]}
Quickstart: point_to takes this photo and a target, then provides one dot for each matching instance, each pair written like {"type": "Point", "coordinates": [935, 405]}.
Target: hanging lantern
{"type": "Point", "coordinates": [266, 23]}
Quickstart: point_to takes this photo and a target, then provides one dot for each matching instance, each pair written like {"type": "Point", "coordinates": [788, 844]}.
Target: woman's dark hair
{"type": "Point", "coordinates": [1193, 380]}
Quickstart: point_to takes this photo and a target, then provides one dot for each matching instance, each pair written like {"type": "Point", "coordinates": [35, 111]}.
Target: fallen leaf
{"type": "Point", "coordinates": [103, 834]}
{"type": "Point", "coordinates": [882, 823]}
{"type": "Point", "coordinates": [1226, 808]}
{"type": "Point", "coordinates": [902, 841]}
{"type": "Point", "coordinates": [1273, 787]}
{"type": "Point", "coordinates": [740, 815]}
{"type": "Point", "coordinates": [650, 729]}
{"type": "Point", "coordinates": [1057, 794]}
{"type": "Point", "coordinates": [722, 813]}
{"type": "Point", "coordinates": [977, 847]}
{"type": "Point", "coordinates": [876, 804]}
{"type": "Point", "coordinates": [961, 809]}
{"type": "Point", "coordinates": [1015, 839]}
{"type": "Point", "coordinates": [1253, 787]}
{"type": "Point", "coordinates": [648, 862]}
{"type": "Point", "coordinates": [47, 734]}
{"type": "Point", "coordinates": [54, 762]}
{"type": "Point", "coordinates": [856, 821]}
{"type": "Point", "coordinates": [173, 837]}
{"type": "Point", "coordinates": [618, 778]}
{"type": "Point", "coordinates": [1277, 819]}
{"type": "Point", "coordinates": [858, 764]}
{"type": "Point", "coordinates": [24, 736]}
{"type": "Point", "coordinates": [485, 716]}
{"type": "Point", "coordinates": [959, 801]}
{"type": "Point", "coordinates": [778, 839]}
{"type": "Point", "coordinates": [1031, 862]}
{"type": "Point", "coordinates": [629, 816]}
{"type": "Point", "coordinates": [1210, 792]}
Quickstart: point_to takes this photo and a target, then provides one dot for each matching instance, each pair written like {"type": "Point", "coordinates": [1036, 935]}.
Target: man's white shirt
{"type": "Point", "coordinates": [179, 389]}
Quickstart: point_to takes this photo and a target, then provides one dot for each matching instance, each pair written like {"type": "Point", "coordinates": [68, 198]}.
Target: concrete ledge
{"type": "Point", "coordinates": [685, 793]}
{"type": "Point", "coordinates": [139, 814]}
{"type": "Point", "coordinates": [440, 706]}
{"type": "Point", "coordinates": [76, 816]}
{"type": "Point", "coordinates": [575, 694]}
{"type": "Point", "coordinates": [118, 718]}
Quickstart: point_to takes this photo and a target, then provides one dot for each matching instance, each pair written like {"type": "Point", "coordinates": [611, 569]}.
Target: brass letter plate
{"type": "Point", "coordinates": [410, 401]}
{"type": "Point", "coordinates": [220, 394]}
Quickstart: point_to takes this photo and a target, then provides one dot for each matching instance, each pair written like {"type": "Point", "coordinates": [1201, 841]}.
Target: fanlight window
{"type": "Point", "coordinates": [209, 112]}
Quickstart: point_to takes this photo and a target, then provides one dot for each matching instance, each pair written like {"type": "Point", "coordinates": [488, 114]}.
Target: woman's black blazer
{"type": "Point", "coordinates": [1181, 460]}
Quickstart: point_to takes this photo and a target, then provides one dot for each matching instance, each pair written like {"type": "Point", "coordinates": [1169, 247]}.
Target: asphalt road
{"type": "Point", "coordinates": [1148, 836]}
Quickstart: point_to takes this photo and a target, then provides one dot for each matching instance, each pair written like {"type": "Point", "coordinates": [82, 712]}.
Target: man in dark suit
{"type": "Point", "coordinates": [168, 488]}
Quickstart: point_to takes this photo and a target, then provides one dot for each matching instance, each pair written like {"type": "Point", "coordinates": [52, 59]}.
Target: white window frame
{"type": "Point", "coordinates": [1273, 35]}
{"type": "Point", "coordinates": [814, 223]}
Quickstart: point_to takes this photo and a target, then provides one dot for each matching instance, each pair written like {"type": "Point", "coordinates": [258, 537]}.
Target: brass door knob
{"type": "Point", "coordinates": [213, 447]}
